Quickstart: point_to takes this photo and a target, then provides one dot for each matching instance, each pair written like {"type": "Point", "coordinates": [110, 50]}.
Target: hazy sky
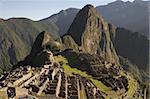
{"type": "Point", "coordinates": [38, 9]}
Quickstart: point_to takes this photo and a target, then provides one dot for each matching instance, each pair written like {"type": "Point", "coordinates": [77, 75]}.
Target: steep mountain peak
{"type": "Point", "coordinates": [39, 54]}
{"type": "Point", "coordinates": [88, 6]}
{"type": "Point", "coordinates": [117, 2]}
{"type": "Point", "coordinates": [138, 0]}
{"type": "Point", "coordinates": [86, 14]}
{"type": "Point", "coordinates": [91, 33]}
{"type": "Point", "coordinates": [89, 9]}
{"type": "Point", "coordinates": [42, 39]}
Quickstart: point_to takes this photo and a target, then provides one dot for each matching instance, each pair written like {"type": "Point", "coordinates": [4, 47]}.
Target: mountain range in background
{"type": "Point", "coordinates": [18, 34]}
{"type": "Point", "coordinates": [133, 16]}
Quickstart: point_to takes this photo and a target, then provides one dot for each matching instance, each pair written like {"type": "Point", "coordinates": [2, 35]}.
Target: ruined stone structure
{"type": "Point", "coordinates": [49, 81]}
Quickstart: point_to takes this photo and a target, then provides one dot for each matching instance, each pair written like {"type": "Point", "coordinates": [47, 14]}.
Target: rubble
{"type": "Point", "coordinates": [109, 74]}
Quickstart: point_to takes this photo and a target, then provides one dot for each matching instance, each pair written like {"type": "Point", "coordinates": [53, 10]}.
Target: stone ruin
{"type": "Point", "coordinates": [109, 74]}
{"type": "Point", "coordinates": [48, 81]}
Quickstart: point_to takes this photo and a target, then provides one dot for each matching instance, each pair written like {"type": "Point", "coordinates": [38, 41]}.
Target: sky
{"type": "Point", "coordinates": [39, 9]}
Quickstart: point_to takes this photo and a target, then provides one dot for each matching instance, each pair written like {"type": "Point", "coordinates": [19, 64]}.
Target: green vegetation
{"type": "Point", "coordinates": [132, 87]}
{"type": "Point", "coordinates": [70, 70]}
{"type": "Point", "coordinates": [132, 84]}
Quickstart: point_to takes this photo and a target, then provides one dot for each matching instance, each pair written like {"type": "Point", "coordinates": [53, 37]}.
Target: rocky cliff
{"type": "Point", "coordinates": [92, 34]}
{"type": "Point", "coordinates": [38, 56]}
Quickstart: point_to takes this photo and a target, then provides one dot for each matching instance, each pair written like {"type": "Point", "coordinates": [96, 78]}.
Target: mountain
{"type": "Point", "coordinates": [17, 36]}
{"type": "Point", "coordinates": [91, 34]}
{"type": "Point", "coordinates": [55, 78]}
{"type": "Point", "coordinates": [105, 39]}
{"type": "Point", "coordinates": [133, 16]}
{"type": "Point", "coordinates": [114, 13]}
{"type": "Point", "coordinates": [37, 56]}
{"type": "Point", "coordinates": [63, 17]}
{"type": "Point", "coordinates": [135, 48]}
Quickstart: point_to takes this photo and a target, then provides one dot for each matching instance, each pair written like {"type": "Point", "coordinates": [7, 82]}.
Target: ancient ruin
{"type": "Point", "coordinates": [49, 81]}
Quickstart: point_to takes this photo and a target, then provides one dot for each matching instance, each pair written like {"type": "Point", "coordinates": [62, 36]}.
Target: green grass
{"type": "Point", "coordinates": [132, 86]}
{"type": "Point", "coordinates": [70, 70]}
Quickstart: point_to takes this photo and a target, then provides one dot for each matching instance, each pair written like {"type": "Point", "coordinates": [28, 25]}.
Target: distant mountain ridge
{"type": "Point", "coordinates": [63, 19]}
{"type": "Point", "coordinates": [133, 16]}
{"type": "Point", "coordinates": [120, 13]}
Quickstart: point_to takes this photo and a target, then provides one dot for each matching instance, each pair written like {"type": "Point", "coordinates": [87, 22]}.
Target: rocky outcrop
{"type": "Point", "coordinates": [92, 34]}
{"type": "Point", "coordinates": [40, 42]}
{"type": "Point", "coordinates": [70, 43]}
{"type": "Point", "coordinates": [39, 55]}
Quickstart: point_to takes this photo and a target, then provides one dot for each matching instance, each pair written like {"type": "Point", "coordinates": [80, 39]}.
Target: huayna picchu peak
{"type": "Point", "coordinates": [92, 34]}
{"type": "Point", "coordinates": [82, 64]}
